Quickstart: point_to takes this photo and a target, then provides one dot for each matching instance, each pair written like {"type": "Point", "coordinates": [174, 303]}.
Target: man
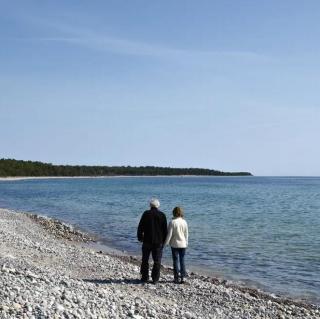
{"type": "Point", "coordinates": [152, 231]}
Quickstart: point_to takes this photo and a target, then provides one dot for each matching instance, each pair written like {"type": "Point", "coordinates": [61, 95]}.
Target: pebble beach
{"type": "Point", "coordinates": [48, 270]}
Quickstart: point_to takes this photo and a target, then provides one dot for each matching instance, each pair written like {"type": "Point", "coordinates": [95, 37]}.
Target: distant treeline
{"type": "Point", "coordinates": [11, 168]}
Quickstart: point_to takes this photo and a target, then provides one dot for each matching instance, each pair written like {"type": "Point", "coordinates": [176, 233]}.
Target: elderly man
{"type": "Point", "coordinates": [152, 231]}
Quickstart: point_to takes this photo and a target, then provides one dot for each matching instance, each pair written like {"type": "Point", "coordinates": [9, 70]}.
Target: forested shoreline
{"type": "Point", "coordinates": [15, 168]}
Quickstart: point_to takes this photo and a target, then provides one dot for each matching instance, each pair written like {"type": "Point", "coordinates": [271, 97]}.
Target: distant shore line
{"type": "Point", "coordinates": [13, 167]}
{"type": "Point", "coordinates": [18, 178]}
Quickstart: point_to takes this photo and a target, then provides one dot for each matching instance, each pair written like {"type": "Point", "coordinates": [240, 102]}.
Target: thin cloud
{"type": "Point", "coordinates": [124, 46]}
{"type": "Point", "coordinates": [95, 41]}
{"type": "Point", "coordinates": [128, 47]}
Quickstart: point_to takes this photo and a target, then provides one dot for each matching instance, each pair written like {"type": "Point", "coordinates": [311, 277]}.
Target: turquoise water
{"type": "Point", "coordinates": [259, 230]}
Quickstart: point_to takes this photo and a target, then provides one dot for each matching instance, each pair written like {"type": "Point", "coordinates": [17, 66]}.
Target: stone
{"type": "Point", "coordinates": [17, 306]}
{"type": "Point", "coordinates": [4, 308]}
{"type": "Point", "coordinates": [59, 307]}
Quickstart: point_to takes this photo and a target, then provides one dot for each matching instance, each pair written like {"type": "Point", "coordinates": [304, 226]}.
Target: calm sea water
{"type": "Point", "coordinates": [259, 230]}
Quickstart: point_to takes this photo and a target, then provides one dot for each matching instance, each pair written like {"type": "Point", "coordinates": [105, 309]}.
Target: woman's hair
{"type": "Point", "coordinates": [178, 212]}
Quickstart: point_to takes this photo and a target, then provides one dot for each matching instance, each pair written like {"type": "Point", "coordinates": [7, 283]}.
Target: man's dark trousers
{"type": "Point", "coordinates": [156, 252]}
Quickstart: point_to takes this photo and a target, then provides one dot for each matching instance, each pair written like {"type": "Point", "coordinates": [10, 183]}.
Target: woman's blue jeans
{"type": "Point", "coordinates": [179, 267]}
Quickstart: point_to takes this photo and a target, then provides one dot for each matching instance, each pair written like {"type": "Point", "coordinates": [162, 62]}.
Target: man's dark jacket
{"type": "Point", "coordinates": [152, 229]}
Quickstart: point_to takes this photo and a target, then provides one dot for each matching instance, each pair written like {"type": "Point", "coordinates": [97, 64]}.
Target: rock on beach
{"type": "Point", "coordinates": [47, 271]}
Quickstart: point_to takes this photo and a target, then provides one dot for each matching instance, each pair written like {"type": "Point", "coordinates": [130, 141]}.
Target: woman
{"type": "Point", "coordinates": [177, 238]}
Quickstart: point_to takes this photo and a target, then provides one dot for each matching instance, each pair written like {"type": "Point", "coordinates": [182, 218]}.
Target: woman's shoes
{"type": "Point", "coordinates": [181, 281]}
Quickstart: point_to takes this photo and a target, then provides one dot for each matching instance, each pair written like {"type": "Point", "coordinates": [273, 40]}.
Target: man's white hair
{"type": "Point", "coordinates": [154, 202]}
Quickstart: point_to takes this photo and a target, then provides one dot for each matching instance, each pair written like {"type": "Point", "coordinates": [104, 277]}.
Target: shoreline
{"type": "Point", "coordinates": [216, 276]}
{"type": "Point", "coordinates": [95, 242]}
{"type": "Point", "coordinates": [229, 281]}
{"type": "Point", "coordinates": [55, 252]}
{"type": "Point", "coordinates": [20, 178]}
{"type": "Point", "coordinates": [201, 271]}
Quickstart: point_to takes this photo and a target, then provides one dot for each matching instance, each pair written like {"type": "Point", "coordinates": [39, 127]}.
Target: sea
{"type": "Point", "coordinates": [262, 232]}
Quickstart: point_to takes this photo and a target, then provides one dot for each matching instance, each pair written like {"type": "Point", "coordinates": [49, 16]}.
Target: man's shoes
{"type": "Point", "coordinates": [144, 281]}
{"type": "Point", "coordinates": [176, 280]}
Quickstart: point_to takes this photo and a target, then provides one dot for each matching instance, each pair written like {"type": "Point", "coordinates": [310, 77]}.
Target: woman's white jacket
{"type": "Point", "coordinates": [177, 233]}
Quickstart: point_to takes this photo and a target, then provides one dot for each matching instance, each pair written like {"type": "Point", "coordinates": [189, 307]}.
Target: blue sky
{"type": "Point", "coordinates": [228, 85]}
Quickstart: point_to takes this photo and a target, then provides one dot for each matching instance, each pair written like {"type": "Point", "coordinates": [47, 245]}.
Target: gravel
{"type": "Point", "coordinates": [48, 271]}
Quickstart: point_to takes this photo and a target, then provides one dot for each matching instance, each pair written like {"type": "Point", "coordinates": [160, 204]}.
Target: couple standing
{"type": "Point", "coordinates": [154, 234]}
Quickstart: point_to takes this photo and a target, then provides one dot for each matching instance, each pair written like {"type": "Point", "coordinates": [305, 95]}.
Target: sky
{"type": "Point", "coordinates": [227, 85]}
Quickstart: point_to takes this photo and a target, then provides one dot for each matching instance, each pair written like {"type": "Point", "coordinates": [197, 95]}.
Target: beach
{"type": "Point", "coordinates": [48, 270]}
